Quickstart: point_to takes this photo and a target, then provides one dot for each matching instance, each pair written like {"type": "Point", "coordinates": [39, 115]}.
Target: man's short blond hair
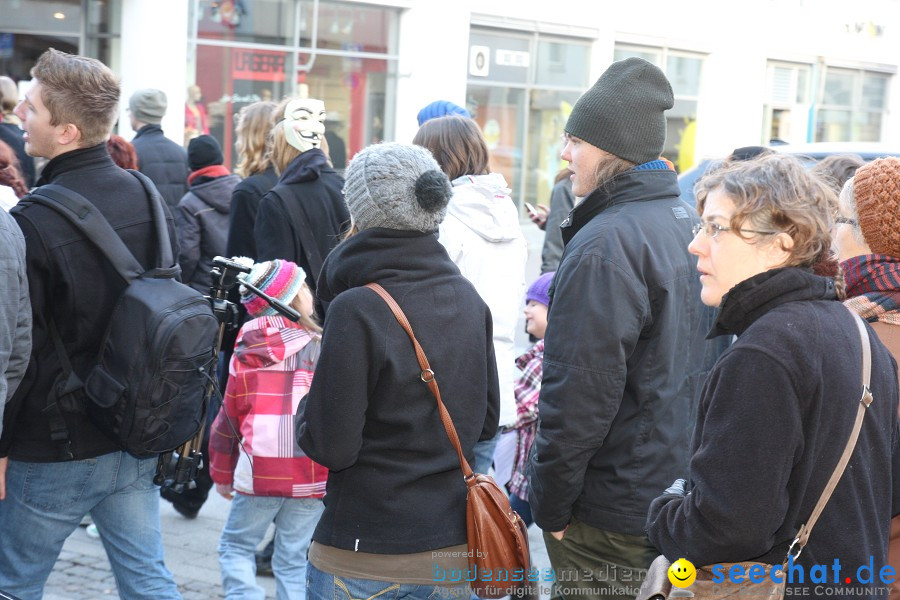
{"type": "Point", "coordinates": [78, 90]}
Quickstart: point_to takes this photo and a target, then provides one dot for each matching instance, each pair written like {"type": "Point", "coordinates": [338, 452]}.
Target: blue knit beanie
{"type": "Point", "coordinates": [539, 291]}
{"type": "Point", "coordinates": [441, 108]}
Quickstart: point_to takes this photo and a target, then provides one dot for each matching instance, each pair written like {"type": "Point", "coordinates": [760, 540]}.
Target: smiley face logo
{"type": "Point", "coordinates": [682, 573]}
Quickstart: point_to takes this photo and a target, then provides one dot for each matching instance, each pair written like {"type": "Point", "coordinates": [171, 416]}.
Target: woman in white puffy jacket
{"type": "Point", "coordinates": [483, 237]}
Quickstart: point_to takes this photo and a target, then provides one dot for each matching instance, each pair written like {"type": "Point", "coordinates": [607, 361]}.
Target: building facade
{"type": "Point", "coordinates": [793, 70]}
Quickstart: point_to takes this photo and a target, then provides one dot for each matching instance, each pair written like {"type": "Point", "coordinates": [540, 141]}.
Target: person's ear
{"type": "Point", "coordinates": [779, 249]}
{"type": "Point", "coordinates": [68, 134]}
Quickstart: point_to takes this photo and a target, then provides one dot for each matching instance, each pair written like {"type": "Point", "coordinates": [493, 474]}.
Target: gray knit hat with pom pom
{"type": "Point", "coordinates": [396, 186]}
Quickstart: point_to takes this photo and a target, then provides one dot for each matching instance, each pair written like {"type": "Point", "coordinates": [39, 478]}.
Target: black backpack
{"type": "Point", "coordinates": [148, 389]}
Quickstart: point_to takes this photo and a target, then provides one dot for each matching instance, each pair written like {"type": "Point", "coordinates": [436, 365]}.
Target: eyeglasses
{"type": "Point", "coordinates": [845, 220]}
{"type": "Point", "coordinates": [712, 229]}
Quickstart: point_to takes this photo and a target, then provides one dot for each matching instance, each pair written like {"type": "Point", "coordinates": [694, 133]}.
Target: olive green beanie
{"type": "Point", "coordinates": [623, 113]}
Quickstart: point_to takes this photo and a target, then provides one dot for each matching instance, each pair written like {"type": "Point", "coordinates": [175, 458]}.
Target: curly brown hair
{"type": "Point", "coordinates": [10, 173]}
{"type": "Point", "coordinates": [777, 193]}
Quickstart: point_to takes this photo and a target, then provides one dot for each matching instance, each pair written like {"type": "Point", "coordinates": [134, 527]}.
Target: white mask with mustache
{"type": "Point", "coordinates": [304, 123]}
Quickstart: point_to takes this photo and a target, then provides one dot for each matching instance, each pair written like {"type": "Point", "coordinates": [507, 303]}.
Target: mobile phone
{"type": "Point", "coordinates": [530, 208]}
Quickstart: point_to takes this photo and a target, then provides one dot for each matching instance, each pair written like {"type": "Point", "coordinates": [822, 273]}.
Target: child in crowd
{"type": "Point", "coordinates": [528, 389]}
{"type": "Point", "coordinates": [253, 448]}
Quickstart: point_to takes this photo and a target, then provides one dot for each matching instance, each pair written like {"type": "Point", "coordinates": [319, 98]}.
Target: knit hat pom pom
{"type": "Point", "coordinates": [433, 190]}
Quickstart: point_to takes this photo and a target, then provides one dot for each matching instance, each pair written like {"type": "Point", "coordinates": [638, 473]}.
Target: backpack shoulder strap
{"type": "Point", "coordinates": [164, 257]}
{"type": "Point", "coordinates": [87, 219]}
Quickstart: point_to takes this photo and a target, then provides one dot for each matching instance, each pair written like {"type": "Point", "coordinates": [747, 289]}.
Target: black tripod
{"type": "Point", "coordinates": [190, 460]}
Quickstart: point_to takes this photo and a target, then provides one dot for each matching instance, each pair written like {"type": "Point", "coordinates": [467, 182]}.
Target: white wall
{"type": "Point", "coordinates": [154, 51]}
{"type": "Point", "coordinates": [433, 50]}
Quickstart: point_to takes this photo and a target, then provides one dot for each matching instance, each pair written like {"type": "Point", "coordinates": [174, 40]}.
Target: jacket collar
{"type": "Point", "coordinates": [148, 130]}
{"type": "Point", "coordinates": [752, 298]}
{"type": "Point", "coordinates": [94, 157]}
{"type": "Point", "coordinates": [633, 185]}
{"type": "Point", "coordinates": [388, 256]}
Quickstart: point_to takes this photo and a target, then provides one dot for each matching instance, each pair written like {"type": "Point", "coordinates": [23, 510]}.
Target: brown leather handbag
{"type": "Point", "coordinates": [656, 585]}
{"type": "Point", "coordinates": [499, 560]}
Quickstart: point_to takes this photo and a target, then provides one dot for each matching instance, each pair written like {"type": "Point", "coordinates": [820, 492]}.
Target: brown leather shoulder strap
{"type": "Point", "coordinates": [865, 400]}
{"type": "Point", "coordinates": [427, 375]}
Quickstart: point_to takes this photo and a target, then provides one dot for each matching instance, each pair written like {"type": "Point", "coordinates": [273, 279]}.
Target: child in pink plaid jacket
{"type": "Point", "coordinates": [253, 448]}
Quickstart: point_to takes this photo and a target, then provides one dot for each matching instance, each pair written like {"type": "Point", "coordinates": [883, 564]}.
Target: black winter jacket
{"type": "Point", "coordinates": [245, 201]}
{"type": "Point", "coordinates": [202, 222]}
{"type": "Point", "coordinates": [774, 417]}
{"type": "Point", "coordinates": [622, 357]}
{"type": "Point", "coordinates": [163, 161]}
{"type": "Point", "coordinates": [71, 282]}
{"type": "Point", "coordinates": [309, 191]}
{"type": "Point", "coordinates": [395, 484]}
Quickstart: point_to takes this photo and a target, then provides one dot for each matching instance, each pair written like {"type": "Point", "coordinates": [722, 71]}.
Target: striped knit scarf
{"type": "Point", "coordinates": [873, 287]}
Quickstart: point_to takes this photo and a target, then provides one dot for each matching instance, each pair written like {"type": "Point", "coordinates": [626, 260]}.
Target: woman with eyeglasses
{"type": "Point", "coordinates": [778, 407]}
{"type": "Point", "coordinates": [867, 242]}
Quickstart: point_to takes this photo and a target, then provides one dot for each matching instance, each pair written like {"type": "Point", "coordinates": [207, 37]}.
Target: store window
{"type": "Point", "coordinates": [786, 111]}
{"type": "Point", "coordinates": [684, 71]}
{"type": "Point", "coordinates": [521, 89]}
{"type": "Point", "coordinates": [28, 29]}
{"type": "Point", "coordinates": [343, 54]}
{"type": "Point", "coordinates": [852, 107]}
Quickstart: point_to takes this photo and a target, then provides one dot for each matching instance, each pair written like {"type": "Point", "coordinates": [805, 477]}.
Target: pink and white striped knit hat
{"type": "Point", "coordinates": [278, 278]}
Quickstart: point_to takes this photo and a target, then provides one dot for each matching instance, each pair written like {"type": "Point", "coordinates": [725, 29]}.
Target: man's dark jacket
{"type": "Point", "coordinates": [71, 282]}
{"type": "Point", "coordinates": [163, 161]}
{"type": "Point", "coordinates": [622, 357]}
{"type": "Point", "coordinates": [201, 219]}
{"type": "Point", "coordinates": [309, 192]}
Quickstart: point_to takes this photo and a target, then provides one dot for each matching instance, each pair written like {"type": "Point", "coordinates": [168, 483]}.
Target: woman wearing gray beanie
{"type": "Point", "coordinates": [395, 504]}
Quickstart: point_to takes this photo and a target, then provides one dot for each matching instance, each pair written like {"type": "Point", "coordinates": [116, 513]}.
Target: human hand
{"type": "Point", "coordinates": [225, 490]}
{"type": "Point", "coordinates": [559, 534]}
{"type": "Point", "coordinates": [538, 215]}
{"type": "Point", "coordinates": [3, 462]}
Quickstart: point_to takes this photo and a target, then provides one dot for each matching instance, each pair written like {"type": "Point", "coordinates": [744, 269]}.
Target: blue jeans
{"type": "Point", "coordinates": [249, 518]}
{"type": "Point", "coordinates": [45, 502]}
{"type": "Point", "coordinates": [324, 586]}
{"type": "Point", "coordinates": [484, 454]}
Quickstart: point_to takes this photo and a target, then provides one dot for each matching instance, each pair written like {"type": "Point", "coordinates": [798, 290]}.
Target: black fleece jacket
{"type": "Point", "coordinates": [395, 484]}
{"type": "Point", "coordinates": [71, 282]}
{"type": "Point", "coordinates": [774, 417]}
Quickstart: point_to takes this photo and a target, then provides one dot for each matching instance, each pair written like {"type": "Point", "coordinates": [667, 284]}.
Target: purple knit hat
{"type": "Point", "coordinates": [539, 291]}
{"type": "Point", "coordinates": [278, 278]}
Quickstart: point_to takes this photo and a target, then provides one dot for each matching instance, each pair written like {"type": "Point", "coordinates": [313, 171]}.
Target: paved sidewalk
{"type": "Point", "coordinates": [83, 573]}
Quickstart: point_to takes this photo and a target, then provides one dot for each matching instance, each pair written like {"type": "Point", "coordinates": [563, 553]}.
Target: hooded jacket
{"type": "Point", "coordinates": [163, 161]}
{"type": "Point", "coordinates": [309, 194]}
{"type": "Point", "coordinates": [202, 222]}
{"type": "Point", "coordinates": [774, 417]}
{"type": "Point", "coordinates": [395, 484]}
{"type": "Point", "coordinates": [623, 357]}
{"type": "Point", "coordinates": [270, 372]}
{"type": "Point", "coordinates": [483, 237]}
